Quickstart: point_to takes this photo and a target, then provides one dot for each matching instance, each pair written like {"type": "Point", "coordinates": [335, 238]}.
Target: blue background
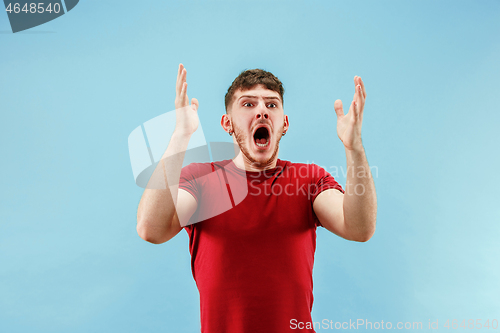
{"type": "Point", "coordinates": [73, 89]}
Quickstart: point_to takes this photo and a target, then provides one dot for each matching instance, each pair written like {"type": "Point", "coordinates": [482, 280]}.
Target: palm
{"type": "Point", "coordinates": [346, 130]}
{"type": "Point", "coordinates": [187, 119]}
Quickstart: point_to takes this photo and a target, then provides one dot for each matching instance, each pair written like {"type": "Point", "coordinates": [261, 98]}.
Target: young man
{"type": "Point", "coordinates": [252, 220]}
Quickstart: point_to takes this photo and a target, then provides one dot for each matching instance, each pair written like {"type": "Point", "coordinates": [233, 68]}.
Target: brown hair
{"type": "Point", "coordinates": [250, 78]}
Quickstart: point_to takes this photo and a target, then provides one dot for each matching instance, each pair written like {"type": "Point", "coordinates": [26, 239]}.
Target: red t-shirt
{"type": "Point", "coordinates": [252, 241]}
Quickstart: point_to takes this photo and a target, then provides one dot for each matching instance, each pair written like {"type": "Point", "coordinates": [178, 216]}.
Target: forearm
{"type": "Point", "coordinates": [157, 206]}
{"type": "Point", "coordinates": [360, 199]}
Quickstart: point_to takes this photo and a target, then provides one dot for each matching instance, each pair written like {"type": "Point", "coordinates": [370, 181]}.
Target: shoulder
{"type": "Point", "coordinates": [303, 170]}
{"type": "Point", "coordinates": [196, 170]}
{"type": "Point", "coordinates": [291, 164]}
{"type": "Point", "coordinates": [196, 166]}
{"type": "Point", "coordinates": [200, 169]}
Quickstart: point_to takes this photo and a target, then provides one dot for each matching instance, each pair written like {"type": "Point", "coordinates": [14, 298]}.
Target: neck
{"type": "Point", "coordinates": [242, 162]}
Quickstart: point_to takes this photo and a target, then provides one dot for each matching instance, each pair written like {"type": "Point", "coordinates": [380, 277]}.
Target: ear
{"type": "Point", "coordinates": [225, 122]}
{"type": "Point", "coordinates": [286, 125]}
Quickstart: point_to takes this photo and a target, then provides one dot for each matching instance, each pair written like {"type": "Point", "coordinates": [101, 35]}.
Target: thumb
{"type": "Point", "coordinates": [195, 103]}
{"type": "Point", "coordinates": [338, 108]}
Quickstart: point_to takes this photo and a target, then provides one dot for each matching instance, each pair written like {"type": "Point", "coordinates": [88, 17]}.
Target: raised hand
{"type": "Point", "coordinates": [186, 115]}
{"type": "Point", "coordinates": [349, 125]}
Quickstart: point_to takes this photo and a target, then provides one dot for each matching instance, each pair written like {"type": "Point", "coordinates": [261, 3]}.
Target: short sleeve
{"type": "Point", "coordinates": [322, 181]}
{"type": "Point", "coordinates": [190, 175]}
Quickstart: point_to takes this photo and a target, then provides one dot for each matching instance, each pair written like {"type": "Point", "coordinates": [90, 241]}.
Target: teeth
{"type": "Point", "coordinates": [263, 144]}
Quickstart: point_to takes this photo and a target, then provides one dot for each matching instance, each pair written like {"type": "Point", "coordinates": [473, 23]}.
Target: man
{"type": "Point", "coordinates": [252, 220]}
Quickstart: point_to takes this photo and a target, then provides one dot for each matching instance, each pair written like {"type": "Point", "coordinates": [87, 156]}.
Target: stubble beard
{"type": "Point", "coordinates": [241, 138]}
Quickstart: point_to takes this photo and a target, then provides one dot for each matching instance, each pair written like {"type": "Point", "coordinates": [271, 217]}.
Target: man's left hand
{"type": "Point", "coordinates": [349, 125]}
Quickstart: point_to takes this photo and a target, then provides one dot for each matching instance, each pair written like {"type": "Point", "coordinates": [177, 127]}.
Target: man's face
{"type": "Point", "coordinates": [258, 122]}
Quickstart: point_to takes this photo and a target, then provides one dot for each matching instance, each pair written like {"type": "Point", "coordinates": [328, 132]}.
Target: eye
{"type": "Point", "coordinates": [247, 104]}
{"type": "Point", "coordinates": [271, 105]}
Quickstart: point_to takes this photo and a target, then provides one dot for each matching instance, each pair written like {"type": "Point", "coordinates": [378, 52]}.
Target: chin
{"type": "Point", "coordinates": [263, 158]}
{"type": "Point", "coordinates": [260, 148]}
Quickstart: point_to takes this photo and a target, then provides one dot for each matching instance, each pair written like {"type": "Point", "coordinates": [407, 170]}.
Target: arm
{"type": "Point", "coordinates": [158, 220]}
{"type": "Point", "coordinates": [351, 215]}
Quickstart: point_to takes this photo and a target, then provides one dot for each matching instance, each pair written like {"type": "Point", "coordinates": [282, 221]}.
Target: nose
{"type": "Point", "coordinates": [262, 113]}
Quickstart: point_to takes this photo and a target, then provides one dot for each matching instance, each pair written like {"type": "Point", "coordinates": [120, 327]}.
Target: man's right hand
{"type": "Point", "coordinates": [162, 212]}
{"type": "Point", "coordinates": [186, 115]}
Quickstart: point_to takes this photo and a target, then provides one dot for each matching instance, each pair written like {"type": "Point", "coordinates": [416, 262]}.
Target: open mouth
{"type": "Point", "coordinates": [261, 137]}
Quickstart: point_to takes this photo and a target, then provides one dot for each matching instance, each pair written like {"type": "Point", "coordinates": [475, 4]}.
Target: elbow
{"type": "Point", "coordinates": [364, 235]}
{"type": "Point", "coordinates": [363, 238]}
{"type": "Point", "coordinates": [147, 234]}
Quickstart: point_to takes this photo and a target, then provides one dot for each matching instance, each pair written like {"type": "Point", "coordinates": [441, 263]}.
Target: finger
{"type": "Point", "coordinates": [354, 109]}
{"type": "Point", "coordinates": [338, 108]}
{"type": "Point", "coordinates": [178, 82]}
{"type": "Point", "coordinates": [182, 79]}
{"type": "Point", "coordinates": [183, 95]}
{"type": "Point", "coordinates": [358, 81]}
{"type": "Point", "coordinates": [360, 98]}
{"type": "Point", "coordinates": [179, 71]}
{"type": "Point", "coordinates": [355, 87]}
{"type": "Point", "coordinates": [186, 98]}
{"type": "Point", "coordinates": [362, 87]}
{"type": "Point", "coordinates": [195, 103]}
{"type": "Point", "coordinates": [358, 94]}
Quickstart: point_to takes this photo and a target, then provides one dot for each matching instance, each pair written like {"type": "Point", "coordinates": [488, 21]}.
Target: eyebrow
{"type": "Point", "coordinates": [267, 97]}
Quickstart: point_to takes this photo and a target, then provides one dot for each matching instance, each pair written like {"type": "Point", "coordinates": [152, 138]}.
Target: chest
{"type": "Point", "coordinates": [248, 208]}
